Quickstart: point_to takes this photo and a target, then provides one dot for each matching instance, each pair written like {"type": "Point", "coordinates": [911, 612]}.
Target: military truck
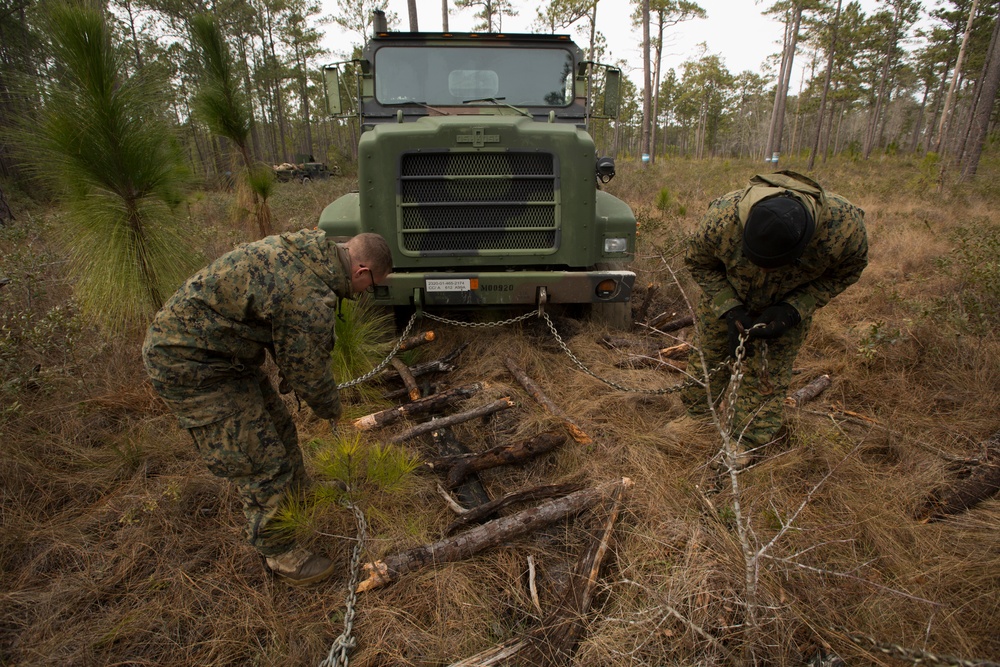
{"type": "Point", "coordinates": [475, 165]}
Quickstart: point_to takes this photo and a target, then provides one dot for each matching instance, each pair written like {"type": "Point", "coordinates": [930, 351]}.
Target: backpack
{"type": "Point", "coordinates": [788, 183]}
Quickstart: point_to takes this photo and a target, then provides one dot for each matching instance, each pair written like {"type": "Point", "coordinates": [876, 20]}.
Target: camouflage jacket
{"type": "Point", "coordinates": [833, 260]}
{"type": "Point", "coordinates": [278, 294]}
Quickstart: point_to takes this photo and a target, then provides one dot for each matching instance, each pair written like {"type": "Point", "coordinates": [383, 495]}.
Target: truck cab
{"type": "Point", "coordinates": [475, 165]}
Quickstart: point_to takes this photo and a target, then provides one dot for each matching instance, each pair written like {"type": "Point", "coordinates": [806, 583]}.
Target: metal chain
{"type": "Point", "coordinates": [481, 325]}
{"type": "Point", "coordinates": [579, 364]}
{"type": "Point", "coordinates": [385, 362]}
{"type": "Point", "coordinates": [342, 645]}
{"type": "Point", "coordinates": [735, 379]}
{"type": "Point", "coordinates": [916, 656]}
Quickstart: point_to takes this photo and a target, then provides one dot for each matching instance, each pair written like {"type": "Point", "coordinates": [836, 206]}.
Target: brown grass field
{"type": "Point", "coordinates": [118, 547]}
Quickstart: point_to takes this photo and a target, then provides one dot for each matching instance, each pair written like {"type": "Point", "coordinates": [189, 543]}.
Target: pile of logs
{"type": "Point", "coordinates": [479, 524]}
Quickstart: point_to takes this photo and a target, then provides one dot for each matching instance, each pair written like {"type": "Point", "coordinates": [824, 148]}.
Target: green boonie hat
{"type": "Point", "coordinates": [777, 231]}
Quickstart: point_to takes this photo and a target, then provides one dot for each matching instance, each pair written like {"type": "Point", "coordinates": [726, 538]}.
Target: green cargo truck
{"type": "Point", "coordinates": [474, 163]}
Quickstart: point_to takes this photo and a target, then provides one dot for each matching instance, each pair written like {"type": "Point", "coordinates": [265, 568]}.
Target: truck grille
{"type": "Point", "coordinates": [478, 203]}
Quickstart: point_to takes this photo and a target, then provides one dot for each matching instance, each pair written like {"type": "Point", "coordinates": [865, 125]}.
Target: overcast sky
{"type": "Point", "coordinates": [735, 29]}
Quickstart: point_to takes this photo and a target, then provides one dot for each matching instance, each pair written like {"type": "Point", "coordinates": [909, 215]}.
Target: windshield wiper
{"type": "Point", "coordinates": [424, 105]}
{"type": "Point", "coordinates": [499, 101]}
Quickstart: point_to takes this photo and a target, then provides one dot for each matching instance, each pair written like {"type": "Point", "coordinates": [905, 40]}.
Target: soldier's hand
{"type": "Point", "coordinates": [735, 319]}
{"type": "Point", "coordinates": [777, 320]}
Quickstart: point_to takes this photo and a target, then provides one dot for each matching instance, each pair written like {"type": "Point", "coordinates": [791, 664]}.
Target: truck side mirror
{"type": "Point", "coordinates": [612, 91]}
{"type": "Point", "coordinates": [331, 81]}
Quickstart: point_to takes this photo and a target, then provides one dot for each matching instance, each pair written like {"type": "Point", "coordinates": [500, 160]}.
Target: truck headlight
{"type": "Point", "coordinates": [615, 245]}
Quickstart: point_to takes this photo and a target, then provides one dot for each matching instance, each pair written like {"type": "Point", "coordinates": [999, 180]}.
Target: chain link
{"type": "Point", "coordinates": [342, 645]}
{"type": "Point", "coordinates": [481, 325]}
{"type": "Point", "coordinates": [916, 656]}
{"type": "Point", "coordinates": [385, 362]}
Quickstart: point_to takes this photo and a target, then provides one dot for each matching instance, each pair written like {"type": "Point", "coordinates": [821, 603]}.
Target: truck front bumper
{"type": "Point", "coordinates": [504, 288]}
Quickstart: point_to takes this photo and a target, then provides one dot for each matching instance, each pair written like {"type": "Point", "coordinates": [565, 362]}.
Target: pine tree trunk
{"type": "Point", "coordinates": [980, 123]}
{"type": "Point", "coordinates": [826, 82]}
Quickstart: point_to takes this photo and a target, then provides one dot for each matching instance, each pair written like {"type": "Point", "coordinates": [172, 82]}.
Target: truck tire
{"type": "Point", "coordinates": [615, 316]}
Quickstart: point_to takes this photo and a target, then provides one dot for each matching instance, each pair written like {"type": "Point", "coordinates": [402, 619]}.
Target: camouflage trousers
{"type": "Point", "coordinates": [759, 406]}
{"type": "Point", "coordinates": [256, 448]}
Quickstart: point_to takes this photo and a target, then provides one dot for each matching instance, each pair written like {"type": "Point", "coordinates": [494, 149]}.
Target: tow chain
{"type": "Point", "coordinates": [916, 656]}
{"type": "Point", "coordinates": [385, 362]}
{"type": "Point", "coordinates": [342, 645]}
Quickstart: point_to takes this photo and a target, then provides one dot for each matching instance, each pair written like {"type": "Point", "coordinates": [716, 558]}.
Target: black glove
{"type": "Point", "coordinates": [734, 318]}
{"type": "Point", "coordinates": [777, 320]}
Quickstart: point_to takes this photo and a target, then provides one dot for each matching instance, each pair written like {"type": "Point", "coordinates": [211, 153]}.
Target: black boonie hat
{"type": "Point", "coordinates": [777, 232]}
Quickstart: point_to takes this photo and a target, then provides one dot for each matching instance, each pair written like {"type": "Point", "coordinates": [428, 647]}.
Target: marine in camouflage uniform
{"type": "Point", "coordinates": [782, 295]}
{"type": "Point", "coordinates": [205, 347]}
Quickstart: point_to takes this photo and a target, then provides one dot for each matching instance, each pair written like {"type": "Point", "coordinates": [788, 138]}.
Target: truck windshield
{"type": "Point", "coordinates": [453, 75]}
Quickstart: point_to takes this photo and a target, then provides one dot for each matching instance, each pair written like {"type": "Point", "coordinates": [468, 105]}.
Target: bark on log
{"type": "Point", "coordinates": [427, 427]}
{"type": "Point", "coordinates": [663, 322]}
{"type": "Point", "coordinates": [432, 403]}
{"type": "Point", "coordinates": [529, 385]}
{"type": "Point", "coordinates": [982, 484]}
{"type": "Point", "coordinates": [410, 382]}
{"type": "Point", "coordinates": [471, 493]}
{"type": "Point", "coordinates": [458, 468]}
{"type": "Point", "coordinates": [486, 510]}
{"type": "Point", "coordinates": [808, 392]}
{"type": "Point", "coordinates": [482, 537]}
{"type": "Point", "coordinates": [416, 341]}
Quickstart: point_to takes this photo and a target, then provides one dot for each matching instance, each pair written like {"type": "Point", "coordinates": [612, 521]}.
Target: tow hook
{"type": "Point", "coordinates": [543, 298]}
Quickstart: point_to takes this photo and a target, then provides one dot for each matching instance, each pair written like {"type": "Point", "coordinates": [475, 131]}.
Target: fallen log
{"type": "Point", "coordinates": [471, 492]}
{"type": "Point", "coordinates": [486, 510]}
{"type": "Point", "coordinates": [555, 641]}
{"type": "Point", "coordinates": [457, 468]}
{"type": "Point", "coordinates": [451, 420]}
{"type": "Point", "coordinates": [490, 534]}
{"type": "Point", "coordinates": [663, 322]}
{"type": "Point", "coordinates": [432, 403]}
{"type": "Point", "coordinates": [808, 392]}
{"type": "Point", "coordinates": [679, 351]}
{"type": "Point", "coordinates": [529, 385]}
{"type": "Point", "coordinates": [416, 341]}
{"type": "Point", "coordinates": [442, 365]}
{"type": "Point", "coordinates": [410, 382]}
{"type": "Point", "coordinates": [982, 484]}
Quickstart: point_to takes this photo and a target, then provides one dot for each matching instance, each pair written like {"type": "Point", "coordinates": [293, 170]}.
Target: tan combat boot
{"type": "Point", "coordinates": [301, 567]}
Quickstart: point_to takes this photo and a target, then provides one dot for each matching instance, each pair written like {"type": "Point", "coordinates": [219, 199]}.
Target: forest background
{"type": "Point", "coordinates": [118, 547]}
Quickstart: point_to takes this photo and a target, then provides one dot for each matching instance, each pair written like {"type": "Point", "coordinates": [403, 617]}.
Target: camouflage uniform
{"type": "Point", "coordinates": [204, 350]}
{"type": "Point", "coordinates": [833, 260]}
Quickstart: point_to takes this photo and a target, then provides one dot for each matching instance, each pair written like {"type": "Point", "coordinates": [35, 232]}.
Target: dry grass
{"type": "Point", "coordinates": [118, 547]}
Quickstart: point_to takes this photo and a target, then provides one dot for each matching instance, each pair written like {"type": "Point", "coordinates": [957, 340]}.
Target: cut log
{"type": "Point", "coordinates": [679, 351]}
{"type": "Point", "coordinates": [410, 382]}
{"type": "Point", "coordinates": [432, 403]}
{"type": "Point", "coordinates": [458, 468]}
{"type": "Point", "coordinates": [451, 420]}
{"type": "Point", "coordinates": [486, 510]}
{"type": "Point", "coordinates": [471, 492]}
{"type": "Point", "coordinates": [485, 536]}
{"type": "Point", "coordinates": [663, 322]}
{"type": "Point", "coordinates": [416, 341]}
{"type": "Point", "coordinates": [529, 385]}
{"type": "Point", "coordinates": [808, 392]}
